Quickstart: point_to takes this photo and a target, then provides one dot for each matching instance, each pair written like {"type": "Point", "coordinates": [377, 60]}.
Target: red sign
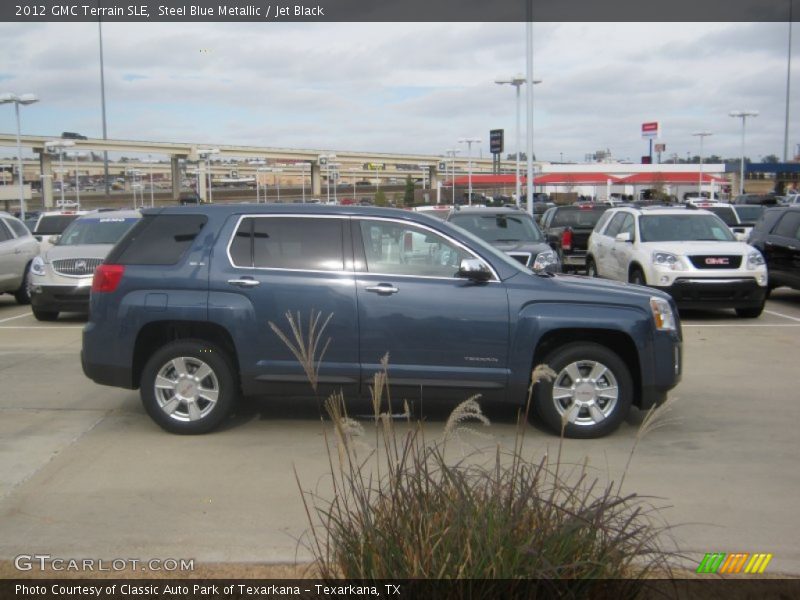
{"type": "Point", "coordinates": [650, 130]}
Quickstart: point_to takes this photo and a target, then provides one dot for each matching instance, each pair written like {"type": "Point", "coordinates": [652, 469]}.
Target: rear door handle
{"type": "Point", "coordinates": [244, 282]}
{"type": "Point", "coordinates": [383, 289]}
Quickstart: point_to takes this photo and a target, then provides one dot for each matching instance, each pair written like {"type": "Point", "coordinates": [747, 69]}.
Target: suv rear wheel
{"type": "Point", "coordinates": [188, 386]}
{"type": "Point", "coordinates": [44, 315]}
{"type": "Point", "coordinates": [591, 393]}
{"type": "Point", "coordinates": [750, 313]}
{"type": "Point", "coordinates": [591, 268]}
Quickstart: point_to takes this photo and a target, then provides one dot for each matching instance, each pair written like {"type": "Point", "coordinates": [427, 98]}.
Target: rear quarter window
{"type": "Point", "coordinates": [157, 240]}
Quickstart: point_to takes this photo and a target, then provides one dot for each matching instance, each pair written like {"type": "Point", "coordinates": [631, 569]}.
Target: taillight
{"type": "Point", "coordinates": [566, 239]}
{"type": "Point", "coordinates": [107, 278]}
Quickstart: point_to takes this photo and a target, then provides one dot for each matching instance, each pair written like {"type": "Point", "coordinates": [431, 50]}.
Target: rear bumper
{"type": "Point", "coordinates": [716, 293]}
{"type": "Point", "coordinates": [61, 298]}
{"type": "Point", "coordinates": [575, 259]}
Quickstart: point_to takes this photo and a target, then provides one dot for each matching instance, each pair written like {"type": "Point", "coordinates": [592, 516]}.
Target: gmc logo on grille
{"type": "Point", "coordinates": [717, 261]}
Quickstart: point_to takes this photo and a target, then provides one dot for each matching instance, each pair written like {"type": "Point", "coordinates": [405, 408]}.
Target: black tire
{"type": "Point", "coordinates": [23, 294]}
{"type": "Point", "coordinates": [591, 268]}
{"type": "Point", "coordinates": [637, 277]}
{"type": "Point", "coordinates": [750, 313]}
{"type": "Point", "coordinates": [209, 414]}
{"type": "Point", "coordinates": [44, 315]}
{"type": "Point", "coordinates": [585, 355]}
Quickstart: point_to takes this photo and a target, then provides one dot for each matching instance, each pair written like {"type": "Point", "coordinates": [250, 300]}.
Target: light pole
{"type": "Point", "coordinates": [517, 82]}
{"type": "Point", "coordinates": [257, 163]}
{"type": "Point", "coordinates": [469, 142]}
{"type": "Point", "coordinates": [150, 162]}
{"type": "Point", "coordinates": [277, 181]}
{"type": "Point", "coordinates": [701, 135]}
{"type": "Point", "coordinates": [452, 154]}
{"type": "Point", "coordinates": [75, 156]}
{"type": "Point", "coordinates": [24, 99]}
{"type": "Point", "coordinates": [335, 174]}
{"type": "Point", "coordinates": [303, 180]}
{"type": "Point", "coordinates": [59, 146]}
{"type": "Point", "coordinates": [206, 154]}
{"type": "Point", "coordinates": [742, 114]}
{"type": "Point", "coordinates": [326, 159]}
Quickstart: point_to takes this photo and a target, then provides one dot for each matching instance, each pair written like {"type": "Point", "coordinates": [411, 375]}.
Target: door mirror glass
{"type": "Point", "coordinates": [623, 237]}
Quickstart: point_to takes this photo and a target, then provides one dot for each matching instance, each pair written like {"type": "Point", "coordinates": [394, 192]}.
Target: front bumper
{"type": "Point", "coordinates": [61, 298]}
{"type": "Point", "coordinates": [709, 292]}
{"type": "Point", "coordinates": [664, 374]}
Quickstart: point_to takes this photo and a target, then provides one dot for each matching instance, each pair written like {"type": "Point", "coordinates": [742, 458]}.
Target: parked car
{"type": "Point", "coordinates": [763, 199]}
{"type": "Point", "coordinates": [748, 215]}
{"type": "Point", "coordinates": [61, 276]}
{"type": "Point", "coordinates": [511, 231]}
{"type": "Point", "coordinates": [567, 229]}
{"type": "Point", "coordinates": [51, 224]}
{"type": "Point", "coordinates": [440, 211]}
{"type": "Point", "coordinates": [185, 305]}
{"type": "Point", "coordinates": [689, 253]}
{"type": "Point", "coordinates": [17, 249]}
{"type": "Point", "coordinates": [729, 215]}
{"type": "Point", "coordinates": [777, 236]}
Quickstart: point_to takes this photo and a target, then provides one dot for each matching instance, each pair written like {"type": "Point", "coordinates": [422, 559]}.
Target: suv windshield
{"type": "Point", "coordinates": [725, 213]}
{"type": "Point", "coordinates": [102, 230]}
{"type": "Point", "coordinates": [683, 228]}
{"type": "Point", "coordinates": [749, 214]}
{"type": "Point", "coordinates": [502, 227]}
{"type": "Point", "coordinates": [580, 217]}
{"type": "Point", "coordinates": [53, 224]}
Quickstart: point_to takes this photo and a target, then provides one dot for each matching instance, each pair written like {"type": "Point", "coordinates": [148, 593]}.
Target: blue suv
{"type": "Point", "coordinates": [182, 306]}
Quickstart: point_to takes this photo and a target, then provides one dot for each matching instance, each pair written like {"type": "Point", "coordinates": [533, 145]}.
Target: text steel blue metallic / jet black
{"type": "Point", "coordinates": [182, 307]}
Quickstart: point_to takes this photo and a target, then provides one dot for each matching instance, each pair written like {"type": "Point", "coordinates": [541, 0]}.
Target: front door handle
{"type": "Point", "coordinates": [383, 288]}
{"type": "Point", "coordinates": [244, 282]}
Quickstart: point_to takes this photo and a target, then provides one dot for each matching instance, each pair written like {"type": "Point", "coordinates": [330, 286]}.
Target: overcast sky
{"type": "Point", "coordinates": [407, 87]}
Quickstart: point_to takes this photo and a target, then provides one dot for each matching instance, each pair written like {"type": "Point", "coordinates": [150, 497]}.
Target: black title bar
{"type": "Point", "coordinates": [273, 11]}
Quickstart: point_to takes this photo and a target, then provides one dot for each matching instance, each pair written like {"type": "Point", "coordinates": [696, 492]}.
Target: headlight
{"type": "Point", "coordinates": [662, 314]}
{"type": "Point", "coordinates": [37, 266]}
{"type": "Point", "coordinates": [544, 260]}
{"type": "Point", "coordinates": [755, 260]}
{"type": "Point", "coordinates": [667, 260]}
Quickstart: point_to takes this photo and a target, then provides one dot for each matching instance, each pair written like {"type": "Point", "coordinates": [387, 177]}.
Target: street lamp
{"type": "Point", "coordinates": [326, 160]}
{"type": "Point", "coordinates": [59, 146]}
{"type": "Point", "coordinates": [469, 142]}
{"type": "Point", "coordinates": [742, 114]}
{"type": "Point", "coordinates": [517, 81]}
{"type": "Point", "coordinates": [150, 162]}
{"type": "Point", "coordinates": [206, 154]}
{"type": "Point", "coordinates": [452, 154]}
{"type": "Point", "coordinates": [303, 179]}
{"type": "Point", "coordinates": [24, 99]}
{"type": "Point", "coordinates": [701, 135]}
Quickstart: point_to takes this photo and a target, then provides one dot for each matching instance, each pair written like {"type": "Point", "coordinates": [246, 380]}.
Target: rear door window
{"type": "Point", "coordinates": [298, 243]}
{"type": "Point", "coordinates": [789, 226]}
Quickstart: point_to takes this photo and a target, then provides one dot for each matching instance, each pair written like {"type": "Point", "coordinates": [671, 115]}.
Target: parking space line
{"type": "Point", "coordinates": [48, 327]}
{"type": "Point", "coordinates": [777, 314]}
{"type": "Point", "coordinates": [27, 314]}
{"type": "Point", "coordinates": [734, 325]}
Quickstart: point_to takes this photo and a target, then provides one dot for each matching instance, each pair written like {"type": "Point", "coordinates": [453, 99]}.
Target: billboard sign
{"type": "Point", "coordinates": [496, 141]}
{"type": "Point", "coordinates": [651, 130]}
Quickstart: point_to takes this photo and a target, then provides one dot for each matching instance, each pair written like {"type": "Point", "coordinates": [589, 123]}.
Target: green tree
{"type": "Point", "coordinates": [380, 198]}
{"type": "Point", "coordinates": [408, 195]}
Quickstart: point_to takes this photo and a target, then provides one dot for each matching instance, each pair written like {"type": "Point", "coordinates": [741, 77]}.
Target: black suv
{"type": "Point", "coordinates": [188, 305]}
{"type": "Point", "coordinates": [777, 235]}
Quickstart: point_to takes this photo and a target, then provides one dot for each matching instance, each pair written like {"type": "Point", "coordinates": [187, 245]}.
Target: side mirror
{"type": "Point", "coordinates": [53, 239]}
{"type": "Point", "coordinates": [474, 270]}
{"type": "Point", "coordinates": [623, 237]}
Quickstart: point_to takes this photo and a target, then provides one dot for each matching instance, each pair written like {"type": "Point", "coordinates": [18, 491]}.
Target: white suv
{"type": "Point", "coordinates": [689, 253]}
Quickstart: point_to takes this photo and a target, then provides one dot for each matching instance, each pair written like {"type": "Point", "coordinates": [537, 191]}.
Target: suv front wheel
{"type": "Point", "coordinates": [188, 386]}
{"type": "Point", "coordinates": [591, 393]}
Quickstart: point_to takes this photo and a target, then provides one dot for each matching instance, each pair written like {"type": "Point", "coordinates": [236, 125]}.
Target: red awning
{"type": "Point", "coordinates": [575, 179]}
{"type": "Point", "coordinates": [542, 179]}
{"type": "Point", "coordinates": [660, 177]}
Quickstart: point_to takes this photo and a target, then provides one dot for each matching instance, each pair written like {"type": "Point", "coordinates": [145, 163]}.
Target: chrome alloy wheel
{"type": "Point", "coordinates": [186, 389]}
{"type": "Point", "coordinates": [585, 392]}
